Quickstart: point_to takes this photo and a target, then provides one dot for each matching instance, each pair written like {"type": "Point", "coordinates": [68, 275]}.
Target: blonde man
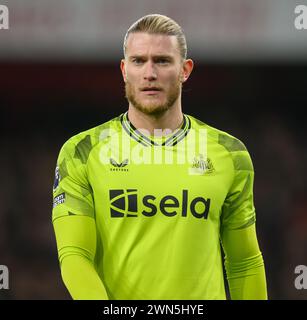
{"type": "Point", "coordinates": [143, 202]}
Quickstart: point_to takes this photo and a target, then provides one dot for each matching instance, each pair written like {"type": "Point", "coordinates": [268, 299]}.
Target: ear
{"type": "Point", "coordinates": [187, 68]}
{"type": "Point", "coordinates": [123, 69]}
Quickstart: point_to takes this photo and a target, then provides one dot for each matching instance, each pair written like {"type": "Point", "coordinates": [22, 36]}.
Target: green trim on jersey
{"type": "Point", "coordinates": [158, 223]}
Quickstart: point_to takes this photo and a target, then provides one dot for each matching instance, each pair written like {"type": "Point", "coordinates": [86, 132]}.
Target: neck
{"type": "Point", "coordinates": [170, 119]}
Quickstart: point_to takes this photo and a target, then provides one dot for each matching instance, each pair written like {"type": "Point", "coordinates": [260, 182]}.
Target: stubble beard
{"type": "Point", "coordinates": [154, 109]}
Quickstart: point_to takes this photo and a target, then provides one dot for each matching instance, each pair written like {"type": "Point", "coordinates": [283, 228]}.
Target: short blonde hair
{"type": "Point", "coordinates": [158, 24]}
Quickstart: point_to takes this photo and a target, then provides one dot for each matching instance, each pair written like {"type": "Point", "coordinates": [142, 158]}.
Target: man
{"type": "Point", "coordinates": [143, 202]}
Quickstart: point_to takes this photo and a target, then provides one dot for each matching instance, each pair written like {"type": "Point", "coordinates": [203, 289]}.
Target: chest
{"type": "Point", "coordinates": [166, 183]}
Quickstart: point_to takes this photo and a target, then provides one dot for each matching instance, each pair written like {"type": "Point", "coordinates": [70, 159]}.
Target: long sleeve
{"type": "Point", "coordinates": [243, 261]}
{"type": "Point", "coordinates": [76, 242]}
{"type": "Point", "coordinates": [244, 264]}
{"type": "Point", "coordinates": [73, 218]}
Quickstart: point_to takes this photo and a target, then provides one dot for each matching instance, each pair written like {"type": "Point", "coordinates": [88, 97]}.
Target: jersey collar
{"type": "Point", "coordinates": [172, 140]}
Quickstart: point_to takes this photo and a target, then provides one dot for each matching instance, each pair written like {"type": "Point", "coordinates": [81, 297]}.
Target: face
{"type": "Point", "coordinates": [153, 72]}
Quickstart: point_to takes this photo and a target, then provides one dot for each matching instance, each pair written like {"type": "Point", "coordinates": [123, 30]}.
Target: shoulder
{"type": "Point", "coordinates": [235, 148]}
{"type": "Point", "coordinates": [80, 145]}
{"type": "Point", "coordinates": [228, 141]}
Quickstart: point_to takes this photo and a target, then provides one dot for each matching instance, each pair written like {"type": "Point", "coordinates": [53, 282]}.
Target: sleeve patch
{"type": "Point", "coordinates": [57, 178]}
{"type": "Point", "coordinates": [59, 199]}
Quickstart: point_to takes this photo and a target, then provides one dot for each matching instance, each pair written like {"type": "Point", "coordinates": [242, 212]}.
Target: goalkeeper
{"type": "Point", "coordinates": [144, 203]}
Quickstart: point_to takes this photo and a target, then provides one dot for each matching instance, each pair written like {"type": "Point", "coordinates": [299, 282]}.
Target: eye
{"type": "Point", "coordinates": [162, 61]}
{"type": "Point", "coordinates": [137, 61]}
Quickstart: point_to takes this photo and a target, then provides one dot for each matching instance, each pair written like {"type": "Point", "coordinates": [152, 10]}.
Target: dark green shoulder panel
{"type": "Point", "coordinates": [83, 149]}
{"type": "Point", "coordinates": [230, 143]}
{"type": "Point", "coordinates": [63, 169]}
{"type": "Point", "coordinates": [241, 160]}
{"type": "Point", "coordinates": [90, 139]}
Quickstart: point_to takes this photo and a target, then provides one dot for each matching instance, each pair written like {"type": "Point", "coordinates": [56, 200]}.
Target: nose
{"type": "Point", "coordinates": [150, 73]}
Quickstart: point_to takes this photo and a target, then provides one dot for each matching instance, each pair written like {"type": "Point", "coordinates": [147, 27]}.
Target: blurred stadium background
{"type": "Point", "coordinates": [59, 75]}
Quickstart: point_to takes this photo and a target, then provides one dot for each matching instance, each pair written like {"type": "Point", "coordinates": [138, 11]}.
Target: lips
{"type": "Point", "coordinates": [151, 90]}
